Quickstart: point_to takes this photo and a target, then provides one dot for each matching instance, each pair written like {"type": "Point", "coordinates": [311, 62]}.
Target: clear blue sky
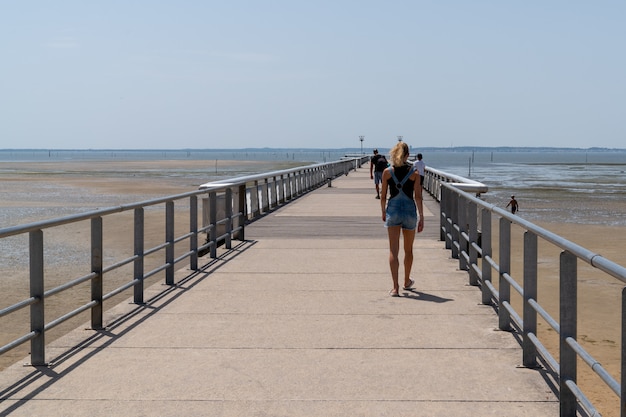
{"type": "Point", "coordinates": [312, 74]}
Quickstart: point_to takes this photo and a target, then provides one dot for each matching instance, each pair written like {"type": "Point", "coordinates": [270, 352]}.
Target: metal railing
{"type": "Point", "coordinates": [226, 207]}
{"type": "Point", "coordinates": [466, 227]}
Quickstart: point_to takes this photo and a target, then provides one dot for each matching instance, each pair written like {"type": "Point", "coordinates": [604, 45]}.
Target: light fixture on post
{"type": "Point", "coordinates": [400, 138]}
{"type": "Point", "coordinates": [361, 138]}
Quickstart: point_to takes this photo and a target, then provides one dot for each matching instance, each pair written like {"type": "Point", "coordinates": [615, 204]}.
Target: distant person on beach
{"type": "Point", "coordinates": [513, 204]}
{"type": "Point", "coordinates": [419, 167]}
{"type": "Point", "coordinates": [400, 212]}
{"type": "Point", "coordinates": [378, 163]}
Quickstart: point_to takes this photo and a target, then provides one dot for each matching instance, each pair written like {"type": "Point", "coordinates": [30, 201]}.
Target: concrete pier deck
{"type": "Point", "coordinates": [295, 321]}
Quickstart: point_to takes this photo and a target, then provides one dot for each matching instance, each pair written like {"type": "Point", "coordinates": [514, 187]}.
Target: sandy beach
{"type": "Point", "coordinates": [39, 190]}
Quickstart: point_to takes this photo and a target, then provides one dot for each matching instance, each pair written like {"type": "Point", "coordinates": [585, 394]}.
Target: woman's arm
{"type": "Point", "coordinates": [383, 192]}
{"type": "Point", "coordinates": [417, 195]}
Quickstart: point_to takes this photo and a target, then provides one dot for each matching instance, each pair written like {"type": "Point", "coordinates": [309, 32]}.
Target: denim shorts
{"type": "Point", "coordinates": [378, 177]}
{"type": "Point", "coordinates": [401, 211]}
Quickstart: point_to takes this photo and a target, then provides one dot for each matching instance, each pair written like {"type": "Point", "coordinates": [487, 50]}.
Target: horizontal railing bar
{"type": "Point", "coordinates": [69, 315]}
{"type": "Point", "coordinates": [516, 318]}
{"type": "Point", "coordinates": [220, 237]}
{"type": "Point", "coordinates": [478, 271]}
{"type": "Point", "coordinates": [518, 288]}
{"type": "Point", "coordinates": [120, 289]}
{"type": "Point", "coordinates": [205, 228]}
{"type": "Point", "coordinates": [582, 399]}
{"type": "Point", "coordinates": [478, 249]}
{"type": "Point", "coordinates": [183, 256]}
{"type": "Point", "coordinates": [156, 271]}
{"type": "Point", "coordinates": [545, 354]}
{"type": "Point", "coordinates": [120, 264]}
{"type": "Point", "coordinates": [69, 284]}
{"type": "Point", "coordinates": [183, 237]}
{"type": "Point", "coordinates": [495, 294]}
{"type": "Point", "coordinates": [18, 306]}
{"type": "Point", "coordinates": [594, 365]}
{"type": "Point", "coordinates": [465, 256]}
{"type": "Point", "coordinates": [28, 336]}
{"type": "Point", "coordinates": [205, 246]}
{"type": "Point", "coordinates": [492, 263]}
{"type": "Point", "coordinates": [156, 248]}
{"type": "Point", "coordinates": [544, 314]}
{"type": "Point", "coordinates": [60, 221]}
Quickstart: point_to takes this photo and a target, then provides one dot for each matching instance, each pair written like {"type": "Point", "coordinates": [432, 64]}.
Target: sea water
{"type": "Point", "coordinates": [552, 186]}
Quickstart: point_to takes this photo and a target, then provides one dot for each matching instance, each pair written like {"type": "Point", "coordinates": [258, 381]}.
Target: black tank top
{"type": "Point", "coordinates": [408, 186]}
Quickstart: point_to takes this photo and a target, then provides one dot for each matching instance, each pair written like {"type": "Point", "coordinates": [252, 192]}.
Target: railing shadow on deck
{"type": "Point", "coordinates": [116, 328]}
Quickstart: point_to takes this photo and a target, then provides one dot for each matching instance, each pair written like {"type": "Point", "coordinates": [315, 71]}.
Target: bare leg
{"type": "Point", "coordinates": [408, 237]}
{"type": "Point", "coordinates": [394, 248]}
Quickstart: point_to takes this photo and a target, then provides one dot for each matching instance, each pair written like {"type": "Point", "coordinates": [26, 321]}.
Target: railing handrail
{"type": "Point", "coordinates": [255, 177]}
{"type": "Point", "coordinates": [466, 223]}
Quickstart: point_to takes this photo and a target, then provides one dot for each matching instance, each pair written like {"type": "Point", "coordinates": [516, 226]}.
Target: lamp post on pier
{"type": "Point", "coordinates": [361, 138]}
{"type": "Point", "coordinates": [400, 138]}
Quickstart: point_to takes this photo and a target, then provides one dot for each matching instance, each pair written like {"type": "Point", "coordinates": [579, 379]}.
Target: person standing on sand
{"type": "Point", "coordinates": [513, 204]}
{"type": "Point", "coordinates": [378, 163]}
{"type": "Point", "coordinates": [400, 212]}
{"type": "Point", "coordinates": [419, 167]}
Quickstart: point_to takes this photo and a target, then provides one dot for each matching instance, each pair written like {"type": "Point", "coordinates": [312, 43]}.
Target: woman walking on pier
{"type": "Point", "coordinates": [400, 212]}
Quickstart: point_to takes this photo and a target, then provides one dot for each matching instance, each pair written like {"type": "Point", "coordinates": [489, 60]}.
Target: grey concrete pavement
{"type": "Point", "coordinates": [295, 321]}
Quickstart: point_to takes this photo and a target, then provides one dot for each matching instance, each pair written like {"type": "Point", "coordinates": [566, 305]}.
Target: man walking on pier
{"type": "Point", "coordinates": [419, 167]}
{"type": "Point", "coordinates": [378, 164]}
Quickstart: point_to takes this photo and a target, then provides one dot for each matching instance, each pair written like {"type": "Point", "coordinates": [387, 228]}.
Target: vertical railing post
{"type": "Point", "coordinates": [169, 238]}
{"type": "Point", "coordinates": [622, 405]}
{"type": "Point", "coordinates": [213, 222]}
{"type": "Point", "coordinates": [193, 229]}
{"type": "Point", "coordinates": [530, 293]}
{"type": "Point", "coordinates": [228, 213]}
{"type": "Point", "coordinates": [462, 223]}
{"type": "Point", "coordinates": [568, 310]}
{"type": "Point", "coordinates": [485, 245]}
{"type": "Point", "coordinates": [472, 213]}
{"type": "Point", "coordinates": [243, 210]}
{"type": "Point", "coordinates": [274, 193]}
{"type": "Point", "coordinates": [255, 201]}
{"type": "Point", "coordinates": [444, 215]}
{"type": "Point", "coordinates": [454, 226]}
{"type": "Point", "coordinates": [138, 265]}
{"type": "Point", "coordinates": [281, 189]}
{"type": "Point", "coordinates": [265, 195]}
{"type": "Point", "coordinates": [504, 318]}
{"type": "Point", "coordinates": [37, 310]}
{"type": "Point", "coordinates": [97, 311]}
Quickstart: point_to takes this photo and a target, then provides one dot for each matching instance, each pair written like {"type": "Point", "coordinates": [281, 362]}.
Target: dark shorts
{"type": "Point", "coordinates": [378, 177]}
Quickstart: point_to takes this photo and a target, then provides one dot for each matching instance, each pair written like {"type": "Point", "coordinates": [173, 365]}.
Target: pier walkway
{"type": "Point", "coordinates": [295, 321]}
